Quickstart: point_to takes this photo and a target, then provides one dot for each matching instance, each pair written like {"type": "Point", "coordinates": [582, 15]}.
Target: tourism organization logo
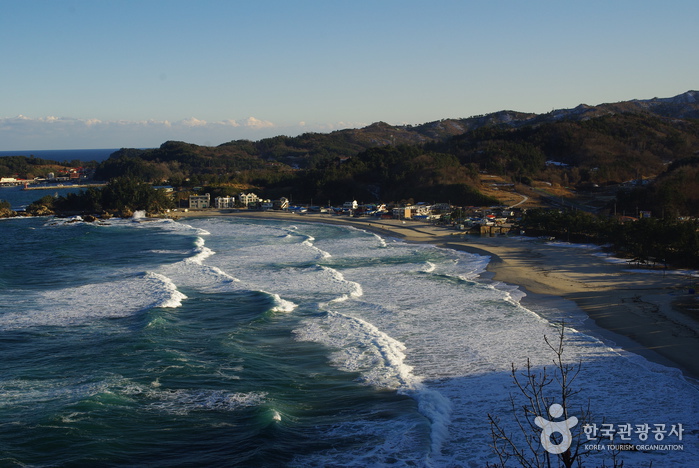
{"type": "Point", "coordinates": [557, 438]}
{"type": "Point", "coordinates": [549, 428]}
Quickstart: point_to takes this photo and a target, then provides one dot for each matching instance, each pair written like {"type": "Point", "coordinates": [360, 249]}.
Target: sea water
{"type": "Point", "coordinates": [232, 342]}
{"type": "Point", "coordinates": [19, 198]}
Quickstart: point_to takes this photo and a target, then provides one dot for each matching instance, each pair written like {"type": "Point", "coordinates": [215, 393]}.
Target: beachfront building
{"type": "Point", "coordinates": [224, 202]}
{"type": "Point", "coordinates": [199, 201]}
{"type": "Point", "coordinates": [421, 209]}
{"type": "Point", "coordinates": [402, 212]}
{"type": "Point", "coordinates": [281, 204]}
{"type": "Point", "coordinates": [10, 181]}
{"type": "Point", "coordinates": [350, 205]}
{"type": "Point", "coordinates": [247, 199]}
{"type": "Point", "coordinates": [441, 208]}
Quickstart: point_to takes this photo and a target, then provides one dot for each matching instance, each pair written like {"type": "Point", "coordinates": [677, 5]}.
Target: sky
{"type": "Point", "coordinates": [112, 74]}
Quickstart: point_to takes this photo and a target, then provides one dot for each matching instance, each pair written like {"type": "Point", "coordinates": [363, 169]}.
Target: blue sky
{"type": "Point", "coordinates": [102, 74]}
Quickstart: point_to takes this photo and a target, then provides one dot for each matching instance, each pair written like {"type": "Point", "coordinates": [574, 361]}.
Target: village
{"type": "Point", "coordinates": [68, 177]}
{"type": "Point", "coordinates": [486, 220]}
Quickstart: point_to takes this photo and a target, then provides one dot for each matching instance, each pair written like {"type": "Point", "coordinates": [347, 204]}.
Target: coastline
{"type": "Point", "coordinates": [644, 313]}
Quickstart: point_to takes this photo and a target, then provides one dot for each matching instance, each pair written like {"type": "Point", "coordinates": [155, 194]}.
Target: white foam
{"type": "Point", "coordinates": [83, 304]}
{"type": "Point", "coordinates": [170, 297]}
{"type": "Point", "coordinates": [184, 401]}
{"type": "Point", "coordinates": [412, 318]}
{"type": "Point", "coordinates": [282, 305]}
{"type": "Point", "coordinates": [309, 243]}
{"type": "Point", "coordinates": [201, 252]}
{"type": "Point", "coordinates": [15, 393]}
{"type": "Point", "coordinates": [355, 289]}
{"type": "Point", "coordinates": [380, 359]}
{"type": "Point", "coordinates": [193, 272]}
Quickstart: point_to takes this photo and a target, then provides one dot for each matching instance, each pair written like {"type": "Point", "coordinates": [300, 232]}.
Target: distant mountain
{"type": "Point", "coordinates": [309, 150]}
{"type": "Point", "coordinates": [586, 146]}
{"type": "Point", "coordinates": [682, 106]}
{"type": "Point", "coordinates": [306, 150]}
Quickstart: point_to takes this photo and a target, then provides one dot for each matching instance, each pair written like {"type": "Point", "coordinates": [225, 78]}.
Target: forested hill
{"type": "Point", "coordinates": [581, 147]}
{"type": "Point", "coordinates": [306, 151]}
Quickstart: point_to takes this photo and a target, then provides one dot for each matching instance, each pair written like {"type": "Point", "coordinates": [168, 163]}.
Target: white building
{"type": "Point", "coordinates": [199, 201]}
{"type": "Point", "coordinates": [421, 210]}
{"type": "Point", "coordinates": [248, 198]}
{"type": "Point", "coordinates": [225, 202]}
{"type": "Point", "coordinates": [281, 204]}
{"type": "Point", "coordinates": [350, 205]}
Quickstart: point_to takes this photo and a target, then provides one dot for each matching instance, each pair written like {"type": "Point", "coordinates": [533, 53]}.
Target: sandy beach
{"type": "Point", "coordinates": [645, 312]}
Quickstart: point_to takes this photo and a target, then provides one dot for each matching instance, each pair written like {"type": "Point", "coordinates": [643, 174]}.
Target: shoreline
{"type": "Point", "coordinates": [640, 312]}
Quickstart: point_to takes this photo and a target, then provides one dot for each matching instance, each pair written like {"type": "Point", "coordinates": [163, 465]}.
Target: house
{"type": "Point", "coordinates": [199, 201]}
{"type": "Point", "coordinates": [281, 204]}
{"type": "Point", "coordinates": [441, 208]}
{"type": "Point", "coordinates": [9, 181]}
{"type": "Point", "coordinates": [225, 202]}
{"type": "Point", "coordinates": [421, 209]}
{"type": "Point", "coordinates": [403, 212]}
{"type": "Point", "coordinates": [247, 199]}
{"type": "Point", "coordinates": [350, 205]}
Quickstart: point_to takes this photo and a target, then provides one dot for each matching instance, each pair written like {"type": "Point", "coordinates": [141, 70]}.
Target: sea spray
{"type": "Point", "coordinates": [281, 305]}
{"type": "Point", "coordinates": [200, 251]}
{"type": "Point", "coordinates": [402, 372]}
{"type": "Point", "coordinates": [169, 295]}
{"type": "Point", "coordinates": [322, 253]}
{"type": "Point", "coordinates": [83, 304]}
{"type": "Point", "coordinates": [335, 276]}
{"type": "Point", "coordinates": [380, 360]}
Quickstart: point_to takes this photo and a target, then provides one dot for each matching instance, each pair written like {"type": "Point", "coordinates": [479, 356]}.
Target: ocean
{"type": "Point", "coordinates": [19, 198]}
{"type": "Point", "coordinates": [233, 342]}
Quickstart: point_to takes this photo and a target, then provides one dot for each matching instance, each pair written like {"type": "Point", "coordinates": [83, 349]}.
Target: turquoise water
{"type": "Point", "coordinates": [231, 342]}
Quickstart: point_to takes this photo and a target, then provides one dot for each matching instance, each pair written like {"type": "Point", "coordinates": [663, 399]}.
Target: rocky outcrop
{"type": "Point", "coordinates": [7, 213]}
{"type": "Point", "coordinates": [40, 210]}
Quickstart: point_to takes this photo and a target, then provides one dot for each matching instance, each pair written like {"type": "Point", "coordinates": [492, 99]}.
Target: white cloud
{"type": "Point", "coordinates": [193, 122]}
{"type": "Point", "coordinates": [27, 133]}
{"type": "Point", "coordinates": [51, 132]}
{"type": "Point", "coordinates": [256, 123]}
{"type": "Point", "coordinates": [229, 123]}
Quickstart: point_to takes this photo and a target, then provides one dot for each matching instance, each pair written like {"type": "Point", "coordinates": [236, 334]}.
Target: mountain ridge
{"type": "Point", "coordinates": [682, 106]}
{"type": "Point", "coordinates": [585, 146]}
